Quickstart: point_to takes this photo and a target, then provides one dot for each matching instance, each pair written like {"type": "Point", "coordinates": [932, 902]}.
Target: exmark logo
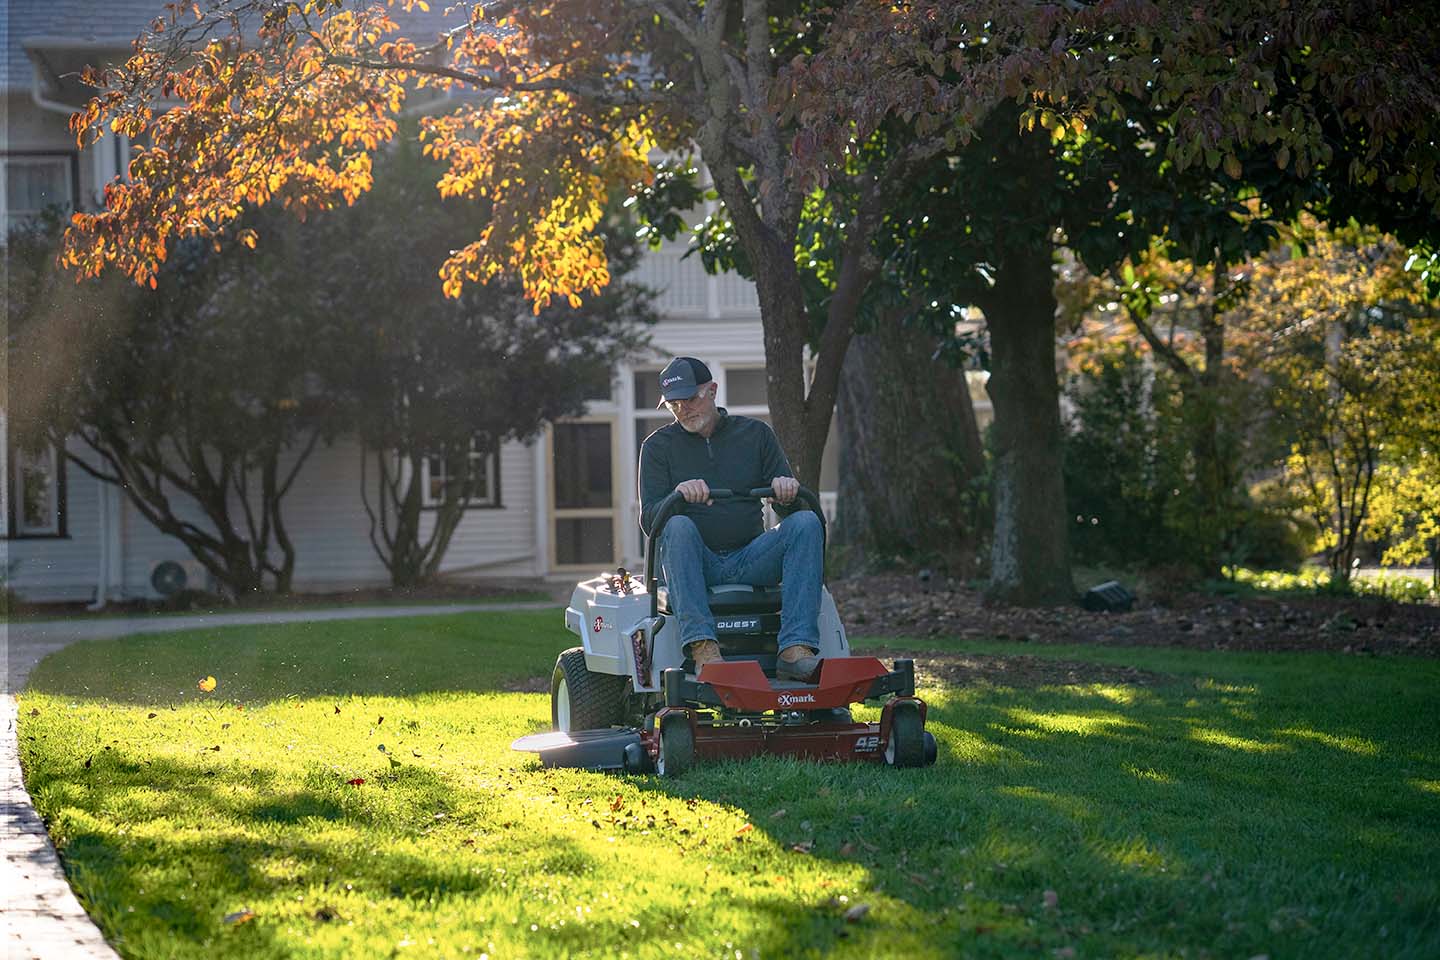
{"type": "Point", "coordinates": [669, 380]}
{"type": "Point", "coordinates": [790, 699]}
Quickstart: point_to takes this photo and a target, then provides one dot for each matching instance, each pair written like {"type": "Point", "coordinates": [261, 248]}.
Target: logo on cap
{"type": "Point", "coordinates": [681, 379]}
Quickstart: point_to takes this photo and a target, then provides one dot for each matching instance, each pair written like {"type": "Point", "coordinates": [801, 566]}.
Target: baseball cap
{"type": "Point", "coordinates": [681, 379]}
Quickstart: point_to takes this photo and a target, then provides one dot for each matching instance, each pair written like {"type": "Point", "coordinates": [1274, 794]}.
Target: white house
{"type": "Point", "coordinates": [560, 506]}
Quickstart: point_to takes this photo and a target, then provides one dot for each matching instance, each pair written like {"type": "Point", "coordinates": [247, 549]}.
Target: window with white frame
{"type": "Point", "coordinates": [478, 470]}
{"type": "Point", "coordinates": [35, 183]}
{"type": "Point", "coordinates": [745, 392]}
{"type": "Point", "coordinates": [32, 485]}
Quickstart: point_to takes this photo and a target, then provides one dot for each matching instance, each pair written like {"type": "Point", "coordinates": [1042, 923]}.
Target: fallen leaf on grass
{"type": "Point", "coordinates": [1063, 953]}
{"type": "Point", "coordinates": [857, 913]}
{"type": "Point", "coordinates": [357, 782]}
{"type": "Point", "coordinates": [617, 803]}
{"type": "Point", "coordinates": [152, 716]}
{"type": "Point", "coordinates": [207, 685]}
{"type": "Point", "coordinates": [240, 916]}
{"type": "Point", "coordinates": [745, 829]}
{"type": "Point", "coordinates": [847, 849]}
{"type": "Point", "coordinates": [1051, 898]}
{"type": "Point", "coordinates": [778, 814]}
{"type": "Point", "coordinates": [35, 711]}
{"type": "Point", "coordinates": [804, 846]}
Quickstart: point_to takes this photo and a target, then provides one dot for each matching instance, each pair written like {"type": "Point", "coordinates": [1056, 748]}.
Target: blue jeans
{"type": "Point", "coordinates": [790, 554]}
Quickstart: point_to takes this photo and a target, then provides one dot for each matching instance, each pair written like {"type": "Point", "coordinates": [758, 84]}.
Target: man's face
{"type": "Point", "coordinates": [699, 413]}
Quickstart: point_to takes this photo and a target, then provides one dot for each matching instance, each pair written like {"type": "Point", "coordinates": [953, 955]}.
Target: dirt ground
{"type": "Point", "coordinates": [903, 606]}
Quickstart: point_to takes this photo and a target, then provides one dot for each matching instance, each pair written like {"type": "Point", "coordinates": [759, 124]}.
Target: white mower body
{"type": "Point", "coordinates": [620, 637]}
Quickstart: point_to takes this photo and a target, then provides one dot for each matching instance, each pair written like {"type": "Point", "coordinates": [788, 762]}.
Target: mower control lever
{"type": "Point", "coordinates": [759, 493]}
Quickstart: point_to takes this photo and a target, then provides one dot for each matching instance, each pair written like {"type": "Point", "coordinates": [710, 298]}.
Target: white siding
{"type": "Point", "coordinates": [681, 284]}
{"type": "Point", "coordinates": [686, 291]}
{"type": "Point", "coordinates": [329, 527]}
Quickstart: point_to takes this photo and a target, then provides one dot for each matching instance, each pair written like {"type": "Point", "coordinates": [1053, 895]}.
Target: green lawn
{"type": "Point", "coordinates": [1251, 804]}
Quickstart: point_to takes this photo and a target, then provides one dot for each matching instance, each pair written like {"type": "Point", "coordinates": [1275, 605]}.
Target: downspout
{"type": "Point", "coordinates": [102, 581]}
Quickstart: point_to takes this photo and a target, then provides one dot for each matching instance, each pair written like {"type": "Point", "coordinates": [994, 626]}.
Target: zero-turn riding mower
{"type": "Point", "coordinates": [627, 698]}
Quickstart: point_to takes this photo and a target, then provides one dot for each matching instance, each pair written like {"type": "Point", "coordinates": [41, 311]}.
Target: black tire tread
{"type": "Point", "coordinates": [907, 734]}
{"type": "Point", "coordinates": [596, 699]}
{"type": "Point", "coordinates": [677, 746]}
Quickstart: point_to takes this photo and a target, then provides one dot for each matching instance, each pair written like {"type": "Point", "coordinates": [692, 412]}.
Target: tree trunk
{"type": "Point", "coordinates": [910, 455]}
{"type": "Point", "coordinates": [1030, 559]}
{"type": "Point", "coordinates": [802, 402]}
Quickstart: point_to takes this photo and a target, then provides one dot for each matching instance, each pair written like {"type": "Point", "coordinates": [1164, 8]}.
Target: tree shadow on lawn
{"type": "Point", "coordinates": [1233, 818]}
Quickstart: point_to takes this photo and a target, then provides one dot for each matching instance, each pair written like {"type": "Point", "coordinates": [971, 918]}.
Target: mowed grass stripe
{"type": "Point", "coordinates": [1246, 805]}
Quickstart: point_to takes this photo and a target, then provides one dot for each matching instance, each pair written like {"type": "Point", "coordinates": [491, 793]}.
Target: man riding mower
{"type": "Point", "coordinates": [628, 697]}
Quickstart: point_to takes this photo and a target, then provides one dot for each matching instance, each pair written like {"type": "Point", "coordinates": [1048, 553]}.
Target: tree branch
{"type": "Point", "coordinates": [1163, 350]}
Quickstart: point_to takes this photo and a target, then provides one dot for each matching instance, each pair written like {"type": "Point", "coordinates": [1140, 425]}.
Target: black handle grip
{"type": "Point", "coordinates": [758, 493]}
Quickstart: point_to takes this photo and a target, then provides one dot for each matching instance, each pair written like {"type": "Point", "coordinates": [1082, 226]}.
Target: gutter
{"type": "Point", "coordinates": [42, 101]}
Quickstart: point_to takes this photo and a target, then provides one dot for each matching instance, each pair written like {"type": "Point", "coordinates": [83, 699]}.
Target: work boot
{"type": "Point", "coordinates": [797, 663]}
{"type": "Point", "coordinates": [703, 652]}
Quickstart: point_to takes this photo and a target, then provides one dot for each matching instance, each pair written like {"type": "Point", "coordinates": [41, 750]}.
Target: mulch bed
{"type": "Point", "coordinates": [900, 605]}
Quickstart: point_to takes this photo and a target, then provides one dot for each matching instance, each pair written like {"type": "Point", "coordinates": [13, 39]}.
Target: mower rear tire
{"type": "Point", "coordinates": [906, 747]}
{"type": "Point", "coordinates": [677, 747]}
{"type": "Point", "coordinates": [581, 699]}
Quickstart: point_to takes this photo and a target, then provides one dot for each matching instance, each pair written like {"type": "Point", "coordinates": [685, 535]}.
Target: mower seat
{"type": "Point", "coordinates": [731, 598]}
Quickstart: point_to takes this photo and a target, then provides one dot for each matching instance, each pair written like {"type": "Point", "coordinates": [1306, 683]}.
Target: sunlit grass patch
{"type": "Point", "coordinates": [1078, 723]}
{"type": "Point", "coordinates": [1349, 744]}
{"type": "Point", "coordinates": [1220, 738]}
{"type": "Point", "coordinates": [1155, 776]}
{"type": "Point", "coordinates": [1061, 818]}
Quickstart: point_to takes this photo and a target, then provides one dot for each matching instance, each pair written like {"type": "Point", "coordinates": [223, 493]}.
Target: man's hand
{"type": "Point", "coordinates": [695, 491]}
{"type": "Point", "coordinates": [785, 488]}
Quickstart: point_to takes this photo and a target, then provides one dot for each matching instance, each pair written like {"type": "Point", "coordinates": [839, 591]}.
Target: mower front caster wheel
{"type": "Point", "coordinates": [677, 747]}
{"type": "Point", "coordinates": [906, 747]}
{"type": "Point", "coordinates": [635, 759]}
